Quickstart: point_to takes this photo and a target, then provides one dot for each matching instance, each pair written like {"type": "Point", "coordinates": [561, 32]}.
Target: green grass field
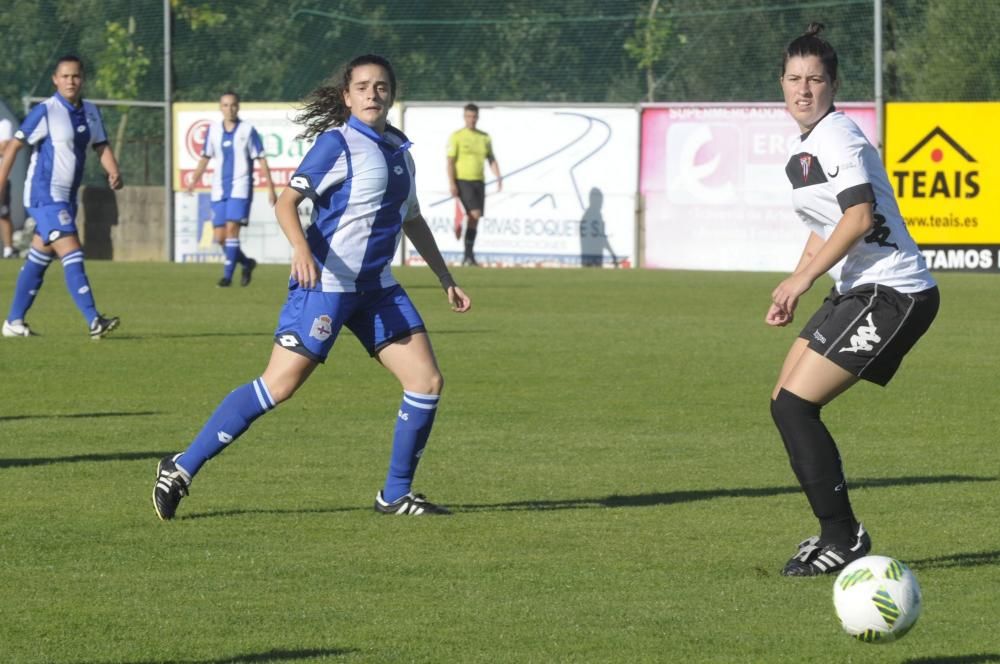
{"type": "Point", "coordinates": [621, 494]}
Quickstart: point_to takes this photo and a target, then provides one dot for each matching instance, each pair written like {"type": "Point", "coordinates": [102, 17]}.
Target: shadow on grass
{"type": "Point", "coordinates": [615, 501]}
{"type": "Point", "coordinates": [957, 560]}
{"type": "Point", "coordinates": [192, 335]}
{"type": "Point", "coordinates": [955, 659]}
{"type": "Point", "coordinates": [78, 458]}
{"type": "Point", "coordinates": [269, 656]}
{"type": "Point", "coordinates": [673, 497]}
{"type": "Point", "coordinates": [251, 511]}
{"type": "Point", "coordinates": [84, 416]}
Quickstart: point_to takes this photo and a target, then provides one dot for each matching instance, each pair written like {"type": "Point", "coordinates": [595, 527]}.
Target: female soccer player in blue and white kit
{"type": "Point", "coordinates": [883, 300]}
{"type": "Point", "coordinates": [60, 130]}
{"type": "Point", "coordinates": [359, 175]}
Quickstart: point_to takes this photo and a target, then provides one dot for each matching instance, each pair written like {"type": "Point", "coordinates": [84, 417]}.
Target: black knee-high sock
{"type": "Point", "coordinates": [470, 241]}
{"type": "Point", "coordinates": [816, 462]}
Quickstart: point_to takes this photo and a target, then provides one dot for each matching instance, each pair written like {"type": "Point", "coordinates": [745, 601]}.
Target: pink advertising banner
{"type": "Point", "coordinates": [714, 185]}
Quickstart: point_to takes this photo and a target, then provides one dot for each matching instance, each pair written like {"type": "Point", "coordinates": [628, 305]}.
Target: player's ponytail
{"type": "Point", "coordinates": [324, 107]}
{"type": "Point", "coordinates": [810, 43]}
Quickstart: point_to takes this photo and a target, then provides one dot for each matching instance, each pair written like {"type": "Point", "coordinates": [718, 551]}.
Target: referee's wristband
{"type": "Point", "coordinates": [447, 281]}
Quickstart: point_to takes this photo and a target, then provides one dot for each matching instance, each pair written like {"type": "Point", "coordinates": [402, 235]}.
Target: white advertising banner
{"type": "Point", "coordinates": [716, 194]}
{"type": "Point", "coordinates": [569, 184]}
{"type": "Point", "coordinates": [261, 239]}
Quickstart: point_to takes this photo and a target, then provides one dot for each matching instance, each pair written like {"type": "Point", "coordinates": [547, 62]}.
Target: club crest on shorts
{"type": "Point", "coordinates": [322, 328]}
{"type": "Point", "coordinates": [64, 218]}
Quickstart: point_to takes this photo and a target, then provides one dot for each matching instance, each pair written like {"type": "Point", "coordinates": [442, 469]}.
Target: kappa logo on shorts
{"type": "Point", "coordinates": [866, 335]}
{"type": "Point", "coordinates": [322, 328]}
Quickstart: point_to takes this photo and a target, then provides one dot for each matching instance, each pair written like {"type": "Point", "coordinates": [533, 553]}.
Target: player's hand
{"type": "Point", "coordinates": [454, 190]}
{"type": "Point", "coordinates": [786, 295]}
{"type": "Point", "coordinates": [777, 317]}
{"type": "Point", "coordinates": [304, 267]}
{"type": "Point", "coordinates": [272, 198]}
{"type": "Point", "coordinates": [460, 302]}
{"type": "Point", "coordinates": [115, 181]}
{"type": "Point", "coordinates": [499, 186]}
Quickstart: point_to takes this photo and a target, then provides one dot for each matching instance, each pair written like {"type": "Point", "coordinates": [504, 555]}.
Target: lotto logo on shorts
{"type": "Point", "coordinates": [289, 341]}
{"type": "Point", "coordinates": [322, 328]}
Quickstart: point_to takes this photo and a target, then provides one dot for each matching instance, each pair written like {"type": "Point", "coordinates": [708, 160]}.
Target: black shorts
{"type": "Point", "coordinates": [869, 329]}
{"type": "Point", "coordinates": [472, 193]}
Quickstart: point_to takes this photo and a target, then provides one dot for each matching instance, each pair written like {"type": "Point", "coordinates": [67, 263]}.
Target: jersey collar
{"type": "Point", "coordinates": [65, 102]}
{"type": "Point", "coordinates": [364, 129]}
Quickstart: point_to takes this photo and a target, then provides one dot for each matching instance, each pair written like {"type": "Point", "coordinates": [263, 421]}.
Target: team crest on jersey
{"type": "Point", "coordinates": [226, 144]}
{"type": "Point", "coordinates": [81, 128]}
{"type": "Point", "coordinates": [64, 218]}
{"type": "Point", "coordinates": [805, 161]}
{"type": "Point", "coordinates": [322, 328]}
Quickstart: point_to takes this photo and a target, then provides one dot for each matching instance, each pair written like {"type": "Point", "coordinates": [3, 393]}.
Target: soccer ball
{"type": "Point", "coordinates": [877, 599]}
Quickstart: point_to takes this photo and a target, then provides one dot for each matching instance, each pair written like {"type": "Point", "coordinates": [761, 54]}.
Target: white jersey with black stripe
{"type": "Point", "coordinates": [834, 167]}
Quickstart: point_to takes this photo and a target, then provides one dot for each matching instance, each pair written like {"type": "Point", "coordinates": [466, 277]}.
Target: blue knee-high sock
{"type": "Point", "coordinates": [29, 280]}
{"type": "Point", "coordinates": [233, 416]}
{"type": "Point", "coordinates": [232, 251]}
{"type": "Point", "coordinates": [78, 284]}
{"type": "Point", "coordinates": [413, 428]}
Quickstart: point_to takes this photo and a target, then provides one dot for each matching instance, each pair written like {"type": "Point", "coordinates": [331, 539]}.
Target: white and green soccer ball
{"type": "Point", "coordinates": [877, 599]}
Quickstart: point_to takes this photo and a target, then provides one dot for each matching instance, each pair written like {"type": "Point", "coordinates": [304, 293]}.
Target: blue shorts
{"type": "Point", "coordinates": [231, 209]}
{"type": "Point", "coordinates": [310, 320]}
{"type": "Point", "coordinates": [54, 221]}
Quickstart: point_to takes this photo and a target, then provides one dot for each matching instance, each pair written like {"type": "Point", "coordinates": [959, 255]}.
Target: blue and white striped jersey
{"type": "Point", "coordinates": [362, 189]}
{"type": "Point", "coordinates": [236, 150]}
{"type": "Point", "coordinates": [60, 134]}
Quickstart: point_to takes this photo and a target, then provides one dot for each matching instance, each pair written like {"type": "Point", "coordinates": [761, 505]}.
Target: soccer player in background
{"type": "Point", "coordinates": [882, 302]}
{"type": "Point", "coordinates": [6, 225]}
{"type": "Point", "coordinates": [60, 129]}
{"type": "Point", "coordinates": [235, 145]}
{"type": "Point", "coordinates": [359, 176]}
{"type": "Point", "coordinates": [468, 148]}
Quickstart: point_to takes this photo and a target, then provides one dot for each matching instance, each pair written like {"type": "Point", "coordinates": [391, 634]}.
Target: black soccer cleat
{"type": "Point", "coordinates": [412, 504]}
{"type": "Point", "coordinates": [247, 272]}
{"type": "Point", "coordinates": [815, 559]}
{"type": "Point", "coordinates": [101, 326]}
{"type": "Point", "coordinates": [171, 485]}
{"type": "Point", "coordinates": [224, 283]}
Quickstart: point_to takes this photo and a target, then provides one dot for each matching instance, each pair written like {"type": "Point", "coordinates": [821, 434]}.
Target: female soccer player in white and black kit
{"type": "Point", "coordinates": [359, 175]}
{"type": "Point", "coordinates": [883, 300]}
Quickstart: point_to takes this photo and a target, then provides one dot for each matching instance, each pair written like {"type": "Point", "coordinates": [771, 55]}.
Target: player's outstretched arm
{"type": "Point", "coordinates": [9, 153]}
{"type": "Point", "coordinates": [287, 211]}
{"type": "Point", "coordinates": [110, 165]}
{"type": "Point", "coordinates": [423, 241]}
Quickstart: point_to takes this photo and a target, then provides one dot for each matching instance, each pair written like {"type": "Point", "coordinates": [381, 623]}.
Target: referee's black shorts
{"type": "Point", "coordinates": [472, 193]}
{"type": "Point", "coordinates": [869, 329]}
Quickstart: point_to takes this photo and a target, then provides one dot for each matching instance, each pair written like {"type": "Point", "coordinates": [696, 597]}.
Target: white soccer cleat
{"type": "Point", "coordinates": [17, 329]}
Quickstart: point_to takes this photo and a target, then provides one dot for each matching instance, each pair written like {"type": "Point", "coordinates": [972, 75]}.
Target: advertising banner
{"type": "Point", "coordinates": [261, 239]}
{"type": "Point", "coordinates": [714, 186]}
{"type": "Point", "coordinates": [943, 162]}
{"type": "Point", "coordinates": [569, 184]}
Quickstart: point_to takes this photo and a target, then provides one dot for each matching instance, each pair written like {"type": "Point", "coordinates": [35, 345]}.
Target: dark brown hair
{"type": "Point", "coordinates": [811, 44]}
{"type": "Point", "coordinates": [68, 58]}
{"type": "Point", "coordinates": [324, 107]}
